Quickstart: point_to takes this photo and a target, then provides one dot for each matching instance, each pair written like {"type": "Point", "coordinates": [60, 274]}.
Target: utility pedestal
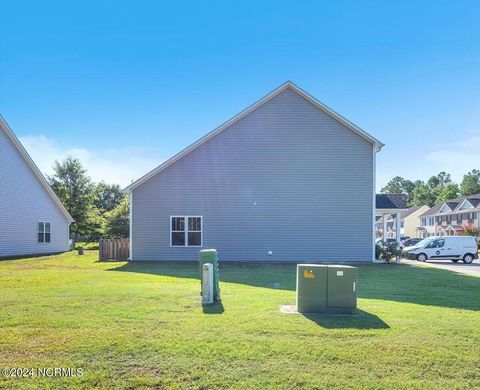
{"type": "Point", "coordinates": [209, 256]}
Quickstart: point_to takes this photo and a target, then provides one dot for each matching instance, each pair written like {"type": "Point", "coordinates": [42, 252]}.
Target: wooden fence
{"type": "Point", "coordinates": [114, 249]}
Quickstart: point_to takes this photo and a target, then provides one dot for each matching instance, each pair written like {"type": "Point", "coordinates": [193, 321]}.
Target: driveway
{"type": "Point", "coordinates": [468, 269]}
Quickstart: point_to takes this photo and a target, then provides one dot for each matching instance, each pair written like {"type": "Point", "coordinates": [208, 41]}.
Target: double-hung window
{"type": "Point", "coordinates": [186, 231]}
{"type": "Point", "coordinates": [44, 232]}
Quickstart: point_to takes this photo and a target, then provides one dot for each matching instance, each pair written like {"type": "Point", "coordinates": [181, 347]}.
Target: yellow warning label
{"type": "Point", "coordinates": [308, 274]}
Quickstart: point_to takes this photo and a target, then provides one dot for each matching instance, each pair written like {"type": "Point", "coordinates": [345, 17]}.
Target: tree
{"type": "Point", "coordinates": [117, 221]}
{"type": "Point", "coordinates": [450, 191]}
{"type": "Point", "coordinates": [471, 183]}
{"type": "Point", "coordinates": [107, 196]}
{"type": "Point", "coordinates": [438, 183]}
{"type": "Point", "coordinates": [399, 185]}
{"type": "Point", "coordinates": [422, 194]}
{"type": "Point", "coordinates": [442, 179]}
{"type": "Point", "coordinates": [74, 188]}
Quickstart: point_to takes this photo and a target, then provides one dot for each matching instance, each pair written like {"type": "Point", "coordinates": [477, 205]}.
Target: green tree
{"type": "Point", "coordinates": [442, 179]}
{"type": "Point", "coordinates": [471, 183]}
{"type": "Point", "coordinates": [74, 188]}
{"type": "Point", "coordinates": [399, 185]}
{"type": "Point", "coordinates": [422, 194]}
{"type": "Point", "coordinates": [450, 191]}
{"type": "Point", "coordinates": [107, 196]}
{"type": "Point", "coordinates": [437, 184]}
{"type": "Point", "coordinates": [117, 221]}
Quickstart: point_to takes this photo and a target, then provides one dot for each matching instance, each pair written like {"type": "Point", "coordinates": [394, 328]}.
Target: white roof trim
{"type": "Point", "coordinates": [443, 206]}
{"type": "Point", "coordinates": [10, 134]}
{"type": "Point", "coordinates": [380, 212]}
{"type": "Point", "coordinates": [449, 227]}
{"type": "Point", "coordinates": [461, 205]}
{"type": "Point", "coordinates": [377, 144]}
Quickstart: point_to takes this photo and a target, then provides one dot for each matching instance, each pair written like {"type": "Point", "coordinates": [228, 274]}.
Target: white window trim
{"type": "Point", "coordinates": [44, 222]}
{"type": "Point", "coordinates": [185, 230]}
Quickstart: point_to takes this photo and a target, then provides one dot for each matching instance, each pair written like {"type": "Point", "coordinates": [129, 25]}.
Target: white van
{"type": "Point", "coordinates": [453, 248]}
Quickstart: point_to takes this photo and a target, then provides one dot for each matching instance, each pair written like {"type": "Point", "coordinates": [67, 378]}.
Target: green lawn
{"type": "Point", "coordinates": [141, 325]}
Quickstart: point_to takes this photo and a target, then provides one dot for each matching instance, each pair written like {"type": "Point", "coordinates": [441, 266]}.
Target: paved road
{"type": "Point", "coordinates": [468, 269]}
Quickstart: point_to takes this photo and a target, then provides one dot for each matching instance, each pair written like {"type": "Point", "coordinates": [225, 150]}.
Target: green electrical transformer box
{"type": "Point", "coordinates": [326, 288]}
{"type": "Point", "coordinates": [210, 256]}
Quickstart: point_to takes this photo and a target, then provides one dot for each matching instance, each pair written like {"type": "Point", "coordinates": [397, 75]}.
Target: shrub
{"type": "Point", "coordinates": [87, 245]}
{"type": "Point", "coordinates": [388, 252]}
{"type": "Point", "coordinates": [470, 230]}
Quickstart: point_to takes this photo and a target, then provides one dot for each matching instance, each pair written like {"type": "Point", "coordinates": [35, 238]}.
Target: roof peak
{"type": "Point", "coordinates": [287, 84]}
{"type": "Point", "coordinates": [33, 167]}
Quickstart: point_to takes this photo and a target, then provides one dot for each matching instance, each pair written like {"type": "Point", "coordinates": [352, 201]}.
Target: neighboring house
{"type": "Point", "coordinates": [271, 184]}
{"type": "Point", "coordinates": [409, 222]}
{"type": "Point", "coordinates": [387, 207]}
{"type": "Point", "coordinates": [449, 217]}
{"type": "Point", "coordinates": [32, 219]}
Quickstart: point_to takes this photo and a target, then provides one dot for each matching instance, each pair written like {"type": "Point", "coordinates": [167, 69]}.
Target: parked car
{"type": "Point", "coordinates": [452, 248]}
{"type": "Point", "coordinates": [380, 241]}
{"type": "Point", "coordinates": [410, 242]}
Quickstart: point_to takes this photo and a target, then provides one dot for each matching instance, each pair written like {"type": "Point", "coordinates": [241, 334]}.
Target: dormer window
{"type": "Point", "coordinates": [444, 208]}
{"type": "Point", "coordinates": [466, 205]}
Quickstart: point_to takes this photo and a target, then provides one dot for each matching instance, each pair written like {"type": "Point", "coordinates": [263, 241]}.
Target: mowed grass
{"type": "Point", "coordinates": [134, 325]}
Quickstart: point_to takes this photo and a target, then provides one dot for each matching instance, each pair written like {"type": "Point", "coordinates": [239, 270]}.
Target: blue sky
{"type": "Point", "coordinates": [125, 85]}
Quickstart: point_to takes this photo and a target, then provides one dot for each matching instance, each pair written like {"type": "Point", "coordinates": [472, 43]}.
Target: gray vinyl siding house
{"type": "Point", "coordinates": [26, 203]}
{"type": "Point", "coordinates": [272, 184]}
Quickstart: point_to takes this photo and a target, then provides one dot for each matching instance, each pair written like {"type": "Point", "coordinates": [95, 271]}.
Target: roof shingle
{"type": "Point", "coordinates": [391, 201]}
{"type": "Point", "coordinates": [453, 204]}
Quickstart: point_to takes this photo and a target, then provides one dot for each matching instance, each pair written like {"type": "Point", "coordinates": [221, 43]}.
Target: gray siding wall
{"type": "Point", "coordinates": [23, 203]}
{"type": "Point", "coordinates": [286, 178]}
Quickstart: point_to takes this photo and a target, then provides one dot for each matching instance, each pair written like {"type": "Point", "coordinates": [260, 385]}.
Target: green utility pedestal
{"type": "Point", "coordinates": [326, 288]}
{"type": "Point", "coordinates": [341, 289]}
{"type": "Point", "coordinates": [210, 256]}
{"type": "Point", "coordinates": [311, 288]}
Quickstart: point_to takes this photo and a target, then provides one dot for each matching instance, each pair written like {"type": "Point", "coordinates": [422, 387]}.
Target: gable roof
{"type": "Point", "coordinates": [411, 210]}
{"type": "Point", "coordinates": [450, 206]}
{"type": "Point", "coordinates": [26, 157]}
{"type": "Point", "coordinates": [391, 201]}
{"type": "Point", "coordinates": [287, 85]}
{"type": "Point", "coordinates": [473, 202]}
{"type": "Point", "coordinates": [456, 203]}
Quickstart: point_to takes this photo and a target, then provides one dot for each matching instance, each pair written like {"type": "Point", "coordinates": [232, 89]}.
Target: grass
{"type": "Point", "coordinates": [137, 325]}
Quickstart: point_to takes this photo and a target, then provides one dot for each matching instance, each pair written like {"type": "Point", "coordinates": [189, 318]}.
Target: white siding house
{"type": "Point", "coordinates": [32, 219]}
{"type": "Point", "coordinates": [271, 184]}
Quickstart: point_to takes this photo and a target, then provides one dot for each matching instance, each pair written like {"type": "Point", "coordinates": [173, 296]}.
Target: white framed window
{"type": "Point", "coordinates": [44, 231]}
{"type": "Point", "coordinates": [186, 230]}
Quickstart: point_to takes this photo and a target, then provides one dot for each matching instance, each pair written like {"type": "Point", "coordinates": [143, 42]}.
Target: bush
{"type": "Point", "coordinates": [88, 246]}
{"type": "Point", "coordinates": [470, 230]}
{"type": "Point", "coordinates": [388, 252]}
